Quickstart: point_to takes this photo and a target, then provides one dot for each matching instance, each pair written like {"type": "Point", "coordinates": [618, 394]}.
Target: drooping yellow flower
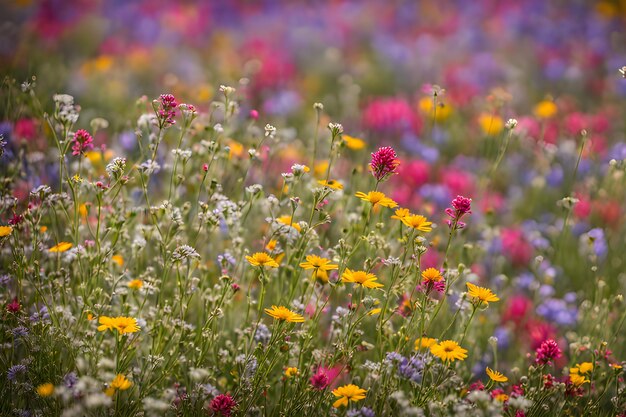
{"type": "Point", "coordinates": [501, 397]}
{"type": "Point", "coordinates": [82, 209]}
{"type": "Point", "coordinates": [318, 263]}
{"type": "Point", "coordinates": [495, 375]}
{"type": "Point", "coordinates": [432, 275]}
{"type": "Point", "coordinates": [424, 342]}
{"type": "Point", "coordinates": [121, 382]}
{"type": "Point", "coordinates": [545, 109]}
{"type": "Point", "coordinates": [374, 311]}
{"type": "Point", "coordinates": [418, 222]}
{"type": "Point", "coordinates": [284, 314]}
{"type": "Point", "coordinates": [271, 245]}
{"type": "Point", "coordinates": [481, 295]}
{"type": "Point", "coordinates": [291, 372]}
{"type": "Point", "coordinates": [335, 185]}
{"type": "Point", "coordinates": [320, 276]}
{"type": "Point", "coordinates": [578, 379]}
{"type": "Point", "coordinates": [401, 214]}
{"type": "Point", "coordinates": [45, 390]}
{"type": "Point", "coordinates": [427, 106]}
{"type": "Point", "coordinates": [288, 221]}
{"type": "Point", "coordinates": [348, 393]}
{"type": "Point", "coordinates": [366, 279]}
{"type": "Point", "coordinates": [122, 324]}
{"type": "Point", "coordinates": [118, 259]}
{"type": "Point", "coordinates": [135, 284]}
{"type": "Point", "coordinates": [490, 124]}
{"type": "Point", "coordinates": [5, 231]}
{"type": "Point", "coordinates": [60, 247]}
{"type": "Point", "coordinates": [448, 351]}
{"type": "Point", "coordinates": [262, 259]}
{"type": "Point", "coordinates": [376, 197]}
{"type": "Point", "coordinates": [353, 143]}
{"type": "Point", "coordinates": [582, 368]}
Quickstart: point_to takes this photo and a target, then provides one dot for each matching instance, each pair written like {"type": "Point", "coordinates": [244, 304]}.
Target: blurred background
{"type": "Point", "coordinates": [285, 55]}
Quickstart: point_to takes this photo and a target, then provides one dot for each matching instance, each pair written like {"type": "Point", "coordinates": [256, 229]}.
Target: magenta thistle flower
{"type": "Point", "coordinates": [384, 163]}
{"type": "Point", "coordinates": [547, 352]}
{"type": "Point", "coordinates": [166, 110]}
{"type": "Point", "coordinates": [82, 142]}
{"type": "Point", "coordinates": [460, 207]}
{"type": "Point", "coordinates": [223, 405]}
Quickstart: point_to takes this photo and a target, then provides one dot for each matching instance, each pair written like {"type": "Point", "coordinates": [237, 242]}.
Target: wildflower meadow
{"type": "Point", "coordinates": [334, 208]}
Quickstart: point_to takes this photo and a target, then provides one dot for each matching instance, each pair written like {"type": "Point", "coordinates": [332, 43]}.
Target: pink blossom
{"type": "Point", "coordinates": [223, 404]}
{"type": "Point", "coordinates": [384, 163]}
{"type": "Point", "coordinates": [82, 142]}
{"type": "Point", "coordinates": [547, 352]}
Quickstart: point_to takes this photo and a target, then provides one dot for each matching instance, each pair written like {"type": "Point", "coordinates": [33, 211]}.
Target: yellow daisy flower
{"type": "Point", "coordinates": [376, 197]}
{"type": "Point", "coordinates": [5, 231]}
{"type": "Point", "coordinates": [335, 185]}
{"type": "Point", "coordinates": [288, 221]}
{"type": "Point", "coordinates": [317, 263]}
{"type": "Point", "coordinates": [262, 259]}
{"type": "Point", "coordinates": [135, 284]}
{"type": "Point", "coordinates": [481, 295]}
{"type": "Point", "coordinates": [353, 143]}
{"type": "Point", "coordinates": [448, 351]}
{"type": "Point", "coordinates": [284, 314]}
{"type": "Point", "coordinates": [424, 342]}
{"type": "Point", "coordinates": [495, 375]}
{"type": "Point", "coordinates": [490, 124]}
{"type": "Point", "coordinates": [121, 382]}
{"type": "Point", "coordinates": [45, 390]}
{"type": "Point", "coordinates": [578, 380]}
{"type": "Point", "coordinates": [291, 372]}
{"type": "Point", "coordinates": [118, 259]}
{"type": "Point", "coordinates": [432, 275]}
{"type": "Point", "coordinates": [120, 323]}
{"type": "Point", "coordinates": [348, 393]}
{"type": "Point", "coordinates": [363, 278]}
{"type": "Point", "coordinates": [545, 109]}
{"type": "Point", "coordinates": [418, 222]}
{"type": "Point", "coordinates": [400, 214]}
{"type": "Point", "coordinates": [60, 247]}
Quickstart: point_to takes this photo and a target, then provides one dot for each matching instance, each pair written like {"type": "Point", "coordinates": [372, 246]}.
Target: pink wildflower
{"type": "Point", "coordinates": [547, 352]}
{"type": "Point", "coordinates": [462, 206]}
{"type": "Point", "coordinates": [166, 110]}
{"type": "Point", "coordinates": [384, 163]}
{"type": "Point", "coordinates": [223, 405]}
{"type": "Point", "coordinates": [83, 142]}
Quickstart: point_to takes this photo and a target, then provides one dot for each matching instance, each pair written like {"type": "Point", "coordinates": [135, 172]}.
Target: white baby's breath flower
{"type": "Point", "coordinates": [184, 252]}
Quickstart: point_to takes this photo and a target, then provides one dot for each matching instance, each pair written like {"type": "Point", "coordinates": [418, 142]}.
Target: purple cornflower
{"type": "Point", "coordinates": [14, 371]}
{"type": "Point", "coordinates": [362, 412]}
{"type": "Point", "coordinates": [384, 163]}
{"type": "Point", "coordinates": [223, 404]}
{"type": "Point", "coordinates": [461, 206]}
{"type": "Point", "coordinates": [19, 332]}
{"type": "Point", "coordinates": [82, 142]}
{"type": "Point", "coordinates": [411, 368]}
{"type": "Point", "coordinates": [69, 380]}
{"type": "Point", "coordinates": [165, 109]}
{"type": "Point", "coordinates": [547, 352]}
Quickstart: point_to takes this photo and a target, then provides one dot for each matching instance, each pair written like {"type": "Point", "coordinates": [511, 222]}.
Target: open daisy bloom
{"type": "Point", "coordinates": [348, 393]}
{"type": "Point", "coordinates": [334, 184]}
{"type": "Point", "coordinates": [480, 295]}
{"type": "Point", "coordinates": [366, 279]}
{"type": "Point", "coordinates": [282, 313]}
{"type": "Point", "coordinates": [495, 375]}
{"type": "Point", "coordinates": [262, 259]}
{"type": "Point", "coordinates": [120, 323]}
{"type": "Point", "coordinates": [448, 351]}
{"type": "Point", "coordinates": [377, 198]}
{"type": "Point", "coordinates": [418, 222]}
{"type": "Point", "coordinates": [318, 263]}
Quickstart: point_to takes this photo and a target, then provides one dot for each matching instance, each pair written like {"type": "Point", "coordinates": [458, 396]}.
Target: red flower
{"type": "Point", "coordinates": [83, 142]}
{"type": "Point", "coordinates": [547, 352]}
{"type": "Point", "coordinates": [223, 405]}
{"type": "Point", "coordinates": [14, 306]}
